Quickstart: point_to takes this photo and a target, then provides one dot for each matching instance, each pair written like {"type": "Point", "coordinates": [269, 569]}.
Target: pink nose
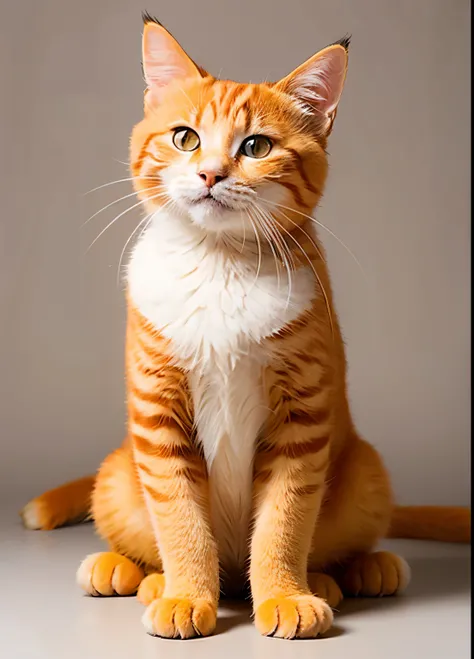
{"type": "Point", "coordinates": [210, 178]}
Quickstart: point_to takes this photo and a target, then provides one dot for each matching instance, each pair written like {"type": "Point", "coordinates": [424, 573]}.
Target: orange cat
{"type": "Point", "coordinates": [242, 463]}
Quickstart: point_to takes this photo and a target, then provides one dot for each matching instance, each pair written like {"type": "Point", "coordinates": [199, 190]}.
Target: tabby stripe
{"type": "Point", "coordinates": [146, 470]}
{"type": "Point", "coordinates": [263, 476]}
{"type": "Point", "coordinates": [150, 368]}
{"type": "Point", "coordinates": [300, 167]}
{"type": "Point", "coordinates": [164, 451]}
{"type": "Point", "coordinates": [294, 368]}
{"type": "Point", "coordinates": [159, 497]}
{"type": "Point", "coordinates": [143, 368]}
{"type": "Point", "coordinates": [299, 449]}
{"type": "Point", "coordinates": [153, 398]}
{"type": "Point", "coordinates": [155, 421]}
{"type": "Point", "coordinates": [136, 166]}
{"type": "Point", "coordinates": [294, 191]}
{"type": "Point", "coordinates": [308, 418]}
{"type": "Point", "coordinates": [308, 359]}
{"type": "Point", "coordinates": [160, 405]}
{"type": "Point", "coordinates": [151, 345]}
{"type": "Point", "coordinates": [155, 159]}
{"type": "Point", "coordinates": [305, 490]}
{"type": "Point", "coordinates": [226, 93]}
{"type": "Point", "coordinates": [153, 352]}
{"type": "Point", "coordinates": [307, 392]}
{"type": "Point", "coordinates": [290, 367]}
{"type": "Point", "coordinates": [168, 395]}
{"type": "Point", "coordinates": [243, 107]}
{"type": "Point", "coordinates": [315, 345]}
{"type": "Point", "coordinates": [192, 474]}
{"type": "Point", "coordinates": [248, 116]}
{"type": "Point", "coordinates": [232, 98]}
{"type": "Point", "coordinates": [213, 107]}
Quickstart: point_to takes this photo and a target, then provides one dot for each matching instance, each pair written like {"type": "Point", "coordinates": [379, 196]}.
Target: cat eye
{"type": "Point", "coordinates": [256, 146]}
{"type": "Point", "coordinates": [186, 139]}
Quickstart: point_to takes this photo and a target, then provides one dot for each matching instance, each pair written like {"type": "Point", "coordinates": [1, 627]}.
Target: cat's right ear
{"type": "Point", "coordinates": [163, 59]}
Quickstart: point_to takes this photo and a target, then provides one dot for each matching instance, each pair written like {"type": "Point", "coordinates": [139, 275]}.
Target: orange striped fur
{"type": "Point", "coordinates": [242, 462]}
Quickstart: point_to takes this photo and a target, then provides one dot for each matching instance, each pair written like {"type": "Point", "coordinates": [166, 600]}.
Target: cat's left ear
{"type": "Point", "coordinates": [317, 84]}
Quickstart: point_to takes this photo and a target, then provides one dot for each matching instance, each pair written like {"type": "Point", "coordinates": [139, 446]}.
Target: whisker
{"type": "Point", "coordinates": [121, 162]}
{"type": "Point", "coordinates": [285, 248]}
{"type": "Point", "coordinates": [243, 225]}
{"type": "Point", "coordinates": [323, 226]}
{"type": "Point", "coordinates": [269, 240]}
{"type": "Point", "coordinates": [150, 218]}
{"type": "Point", "coordinates": [147, 217]}
{"type": "Point", "coordinates": [323, 290]}
{"type": "Point", "coordinates": [285, 252]}
{"type": "Point", "coordinates": [192, 104]}
{"type": "Point", "coordinates": [259, 249]}
{"type": "Point", "coordinates": [120, 180]}
{"type": "Point", "coordinates": [112, 203]}
{"type": "Point", "coordinates": [140, 203]}
{"type": "Point", "coordinates": [314, 244]}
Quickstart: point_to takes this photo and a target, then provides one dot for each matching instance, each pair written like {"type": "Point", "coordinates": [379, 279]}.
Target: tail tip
{"type": "Point", "coordinates": [32, 516]}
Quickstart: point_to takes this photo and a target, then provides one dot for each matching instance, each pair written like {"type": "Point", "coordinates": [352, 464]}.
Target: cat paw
{"type": "Point", "coordinates": [180, 618]}
{"type": "Point", "coordinates": [151, 588]}
{"type": "Point", "coordinates": [301, 616]}
{"type": "Point", "coordinates": [324, 586]}
{"type": "Point", "coordinates": [375, 575]}
{"type": "Point", "coordinates": [108, 573]}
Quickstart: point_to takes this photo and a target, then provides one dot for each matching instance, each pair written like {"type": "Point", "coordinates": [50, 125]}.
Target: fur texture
{"type": "Point", "coordinates": [241, 450]}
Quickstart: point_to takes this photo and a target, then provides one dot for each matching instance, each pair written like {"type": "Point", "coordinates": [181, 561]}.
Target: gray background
{"type": "Point", "coordinates": [398, 195]}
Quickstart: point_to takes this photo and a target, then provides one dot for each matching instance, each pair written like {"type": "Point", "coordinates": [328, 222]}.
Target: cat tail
{"type": "Point", "coordinates": [443, 523]}
{"type": "Point", "coordinates": [66, 504]}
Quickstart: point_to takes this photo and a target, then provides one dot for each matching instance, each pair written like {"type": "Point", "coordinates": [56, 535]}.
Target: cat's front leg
{"type": "Point", "coordinates": [174, 489]}
{"type": "Point", "coordinates": [289, 487]}
{"type": "Point", "coordinates": [173, 481]}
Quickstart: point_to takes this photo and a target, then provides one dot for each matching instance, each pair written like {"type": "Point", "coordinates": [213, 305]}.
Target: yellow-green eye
{"type": "Point", "coordinates": [186, 139]}
{"type": "Point", "coordinates": [256, 146]}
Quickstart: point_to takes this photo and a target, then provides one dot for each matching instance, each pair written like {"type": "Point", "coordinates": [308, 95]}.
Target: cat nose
{"type": "Point", "coordinates": [210, 177]}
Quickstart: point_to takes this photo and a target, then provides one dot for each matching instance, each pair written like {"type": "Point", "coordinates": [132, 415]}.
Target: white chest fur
{"type": "Point", "coordinates": [217, 313]}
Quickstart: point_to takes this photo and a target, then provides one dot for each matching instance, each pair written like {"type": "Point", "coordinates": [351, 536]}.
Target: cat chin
{"type": "Point", "coordinates": [217, 219]}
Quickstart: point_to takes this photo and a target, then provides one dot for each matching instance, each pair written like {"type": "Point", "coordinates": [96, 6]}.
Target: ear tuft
{"type": "Point", "coordinates": [345, 42]}
{"type": "Point", "coordinates": [148, 18]}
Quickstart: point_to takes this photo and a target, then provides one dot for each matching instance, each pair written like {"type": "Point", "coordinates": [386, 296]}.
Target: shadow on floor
{"type": "Point", "coordinates": [432, 579]}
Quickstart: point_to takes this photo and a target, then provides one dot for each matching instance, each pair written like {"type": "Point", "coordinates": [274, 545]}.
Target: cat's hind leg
{"type": "Point", "coordinates": [375, 575]}
{"type": "Point", "coordinates": [355, 517]}
{"type": "Point", "coordinates": [108, 573]}
{"type": "Point", "coordinates": [324, 586]}
{"type": "Point", "coordinates": [151, 588]}
{"type": "Point", "coordinates": [121, 519]}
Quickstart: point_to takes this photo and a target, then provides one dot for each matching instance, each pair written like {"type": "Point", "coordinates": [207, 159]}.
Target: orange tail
{"type": "Point", "coordinates": [443, 523]}
{"type": "Point", "coordinates": [67, 504]}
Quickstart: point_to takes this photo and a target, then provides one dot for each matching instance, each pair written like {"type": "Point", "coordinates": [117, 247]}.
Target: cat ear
{"type": "Point", "coordinates": [317, 84]}
{"type": "Point", "coordinates": [163, 58]}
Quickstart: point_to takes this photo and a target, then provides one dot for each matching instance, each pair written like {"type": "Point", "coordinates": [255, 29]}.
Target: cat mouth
{"type": "Point", "coordinates": [209, 201]}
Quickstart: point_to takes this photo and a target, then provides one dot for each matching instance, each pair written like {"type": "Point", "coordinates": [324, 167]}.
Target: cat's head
{"type": "Point", "coordinates": [222, 153]}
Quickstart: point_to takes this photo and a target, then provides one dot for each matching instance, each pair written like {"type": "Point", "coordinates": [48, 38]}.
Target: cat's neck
{"type": "Point", "coordinates": [175, 235]}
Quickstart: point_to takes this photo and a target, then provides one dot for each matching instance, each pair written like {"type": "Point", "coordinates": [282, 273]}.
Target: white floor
{"type": "Point", "coordinates": [43, 614]}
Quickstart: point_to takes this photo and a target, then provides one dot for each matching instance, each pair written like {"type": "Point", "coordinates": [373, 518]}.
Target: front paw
{"type": "Point", "coordinates": [151, 588]}
{"type": "Point", "coordinates": [180, 618]}
{"type": "Point", "coordinates": [300, 616]}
